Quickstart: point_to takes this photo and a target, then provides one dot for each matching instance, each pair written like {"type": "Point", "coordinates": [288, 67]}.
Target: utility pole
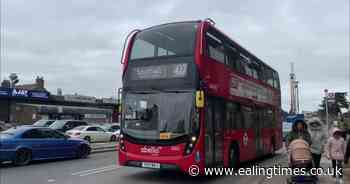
{"type": "Point", "coordinates": [348, 121]}
{"type": "Point", "coordinates": [0, 41]}
{"type": "Point", "coordinates": [326, 105]}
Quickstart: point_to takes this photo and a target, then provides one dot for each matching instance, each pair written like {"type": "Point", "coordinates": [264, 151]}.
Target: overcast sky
{"type": "Point", "coordinates": [76, 45]}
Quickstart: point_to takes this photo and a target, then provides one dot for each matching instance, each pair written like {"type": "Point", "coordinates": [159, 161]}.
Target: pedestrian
{"type": "Point", "coordinates": [335, 150]}
{"type": "Point", "coordinates": [318, 139]}
{"type": "Point", "coordinates": [299, 131]}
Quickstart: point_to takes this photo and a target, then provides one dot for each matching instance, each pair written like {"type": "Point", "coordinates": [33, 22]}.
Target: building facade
{"type": "Point", "coordinates": [22, 106]}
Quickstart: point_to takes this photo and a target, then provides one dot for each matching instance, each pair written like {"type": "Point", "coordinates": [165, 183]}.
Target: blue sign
{"type": "Point", "coordinates": [295, 118]}
{"type": "Point", "coordinates": [4, 92]}
{"type": "Point", "coordinates": [38, 94]}
{"type": "Point", "coordinates": [19, 93]}
{"type": "Point", "coordinates": [23, 93]}
{"type": "Point", "coordinates": [29, 94]}
{"type": "Point", "coordinates": [287, 126]}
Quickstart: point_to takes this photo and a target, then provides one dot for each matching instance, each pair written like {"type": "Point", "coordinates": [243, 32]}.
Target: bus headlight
{"type": "Point", "coordinates": [194, 138]}
{"type": "Point", "coordinates": [190, 145]}
{"type": "Point", "coordinates": [121, 143]}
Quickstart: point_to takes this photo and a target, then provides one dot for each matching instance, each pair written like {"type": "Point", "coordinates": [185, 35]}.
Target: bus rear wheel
{"type": "Point", "coordinates": [233, 157]}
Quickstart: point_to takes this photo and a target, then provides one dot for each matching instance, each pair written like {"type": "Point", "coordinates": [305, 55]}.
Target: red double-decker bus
{"type": "Point", "coordinates": [193, 96]}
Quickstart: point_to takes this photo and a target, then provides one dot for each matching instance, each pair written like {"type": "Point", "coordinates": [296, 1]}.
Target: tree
{"type": "Point", "coordinates": [14, 79]}
{"type": "Point", "coordinates": [335, 106]}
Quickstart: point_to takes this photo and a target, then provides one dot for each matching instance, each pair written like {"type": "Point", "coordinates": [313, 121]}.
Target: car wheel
{"type": "Point", "coordinates": [233, 157]}
{"type": "Point", "coordinates": [23, 157]}
{"type": "Point", "coordinates": [87, 138]}
{"type": "Point", "coordinates": [113, 138]}
{"type": "Point", "coordinates": [83, 151]}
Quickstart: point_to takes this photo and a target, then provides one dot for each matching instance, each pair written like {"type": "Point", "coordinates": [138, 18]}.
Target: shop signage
{"type": "Point", "coordinates": [23, 93]}
{"type": "Point", "coordinates": [4, 92]}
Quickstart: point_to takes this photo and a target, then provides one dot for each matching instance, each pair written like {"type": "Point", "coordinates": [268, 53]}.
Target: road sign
{"type": "Point", "coordinates": [331, 95]}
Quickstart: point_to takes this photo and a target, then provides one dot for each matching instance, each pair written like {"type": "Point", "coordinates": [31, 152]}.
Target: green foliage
{"type": "Point", "coordinates": [343, 125]}
{"type": "Point", "coordinates": [334, 108]}
{"type": "Point", "coordinates": [346, 125]}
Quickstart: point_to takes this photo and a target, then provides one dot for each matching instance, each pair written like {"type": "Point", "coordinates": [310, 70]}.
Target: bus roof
{"type": "Point", "coordinates": [246, 51]}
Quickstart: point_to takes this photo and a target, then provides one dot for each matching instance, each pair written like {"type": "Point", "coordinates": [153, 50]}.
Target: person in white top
{"type": "Point", "coordinates": [318, 138]}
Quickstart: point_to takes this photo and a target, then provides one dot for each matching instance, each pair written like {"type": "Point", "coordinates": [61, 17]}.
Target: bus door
{"type": "Point", "coordinates": [209, 134]}
{"type": "Point", "coordinates": [258, 126]}
{"type": "Point", "coordinates": [214, 135]}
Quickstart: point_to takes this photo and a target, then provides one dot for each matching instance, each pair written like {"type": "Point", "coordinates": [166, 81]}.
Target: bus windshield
{"type": "Point", "coordinates": [166, 40]}
{"type": "Point", "coordinates": [147, 116]}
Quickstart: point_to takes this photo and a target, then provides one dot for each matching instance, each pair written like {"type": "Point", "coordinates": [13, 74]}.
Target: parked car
{"type": "Point", "coordinates": [44, 122]}
{"type": "Point", "coordinates": [23, 144]}
{"type": "Point", "coordinates": [113, 128]}
{"type": "Point", "coordinates": [4, 126]}
{"type": "Point", "coordinates": [65, 125]}
{"type": "Point", "coordinates": [92, 134]}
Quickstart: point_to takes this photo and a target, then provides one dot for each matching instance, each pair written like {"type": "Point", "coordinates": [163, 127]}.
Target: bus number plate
{"type": "Point", "coordinates": [150, 165]}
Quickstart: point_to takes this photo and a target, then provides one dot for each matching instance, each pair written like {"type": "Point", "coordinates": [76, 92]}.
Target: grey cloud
{"type": "Point", "coordinates": [76, 45]}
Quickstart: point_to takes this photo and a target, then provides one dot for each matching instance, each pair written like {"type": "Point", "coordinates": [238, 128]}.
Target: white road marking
{"type": "Point", "coordinates": [100, 171]}
{"type": "Point", "coordinates": [91, 170]}
{"type": "Point", "coordinates": [51, 180]}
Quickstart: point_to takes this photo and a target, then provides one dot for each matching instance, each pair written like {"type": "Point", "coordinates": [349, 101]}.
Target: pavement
{"type": "Point", "coordinates": [325, 163]}
{"type": "Point", "coordinates": [103, 147]}
{"type": "Point", "coordinates": [347, 172]}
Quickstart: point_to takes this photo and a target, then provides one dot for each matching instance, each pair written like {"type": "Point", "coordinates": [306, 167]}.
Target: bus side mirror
{"type": "Point", "coordinates": [200, 99]}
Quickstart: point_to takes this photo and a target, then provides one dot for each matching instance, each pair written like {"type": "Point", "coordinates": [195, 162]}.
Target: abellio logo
{"type": "Point", "coordinates": [20, 92]}
{"type": "Point", "coordinates": [150, 149]}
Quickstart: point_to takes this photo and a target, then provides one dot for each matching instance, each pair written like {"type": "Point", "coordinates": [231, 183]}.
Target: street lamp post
{"type": "Point", "coordinates": [0, 42]}
{"type": "Point", "coordinates": [326, 105]}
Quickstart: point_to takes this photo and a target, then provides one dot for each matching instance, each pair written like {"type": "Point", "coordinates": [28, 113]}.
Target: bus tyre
{"type": "Point", "coordinates": [87, 138]}
{"type": "Point", "coordinates": [23, 157]}
{"type": "Point", "coordinates": [233, 157]}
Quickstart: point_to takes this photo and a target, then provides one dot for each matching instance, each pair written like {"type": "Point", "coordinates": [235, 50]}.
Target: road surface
{"type": "Point", "coordinates": [102, 168]}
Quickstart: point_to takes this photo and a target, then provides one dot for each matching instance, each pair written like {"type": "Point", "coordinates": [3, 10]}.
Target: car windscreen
{"type": "Point", "coordinates": [58, 124]}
